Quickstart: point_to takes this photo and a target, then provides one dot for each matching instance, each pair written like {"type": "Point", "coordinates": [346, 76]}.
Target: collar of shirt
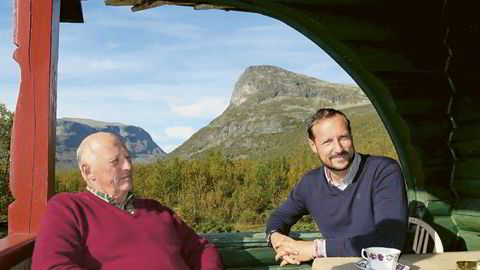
{"type": "Point", "coordinates": [126, 206]}
{"type": "Point", "coordinates": [352, 171]}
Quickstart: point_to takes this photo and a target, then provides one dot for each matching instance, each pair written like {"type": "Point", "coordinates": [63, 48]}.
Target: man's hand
{"type": "Point", "coordinates": [291, 251]}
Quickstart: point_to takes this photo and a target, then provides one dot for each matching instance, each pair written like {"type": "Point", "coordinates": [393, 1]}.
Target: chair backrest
{"type": "Point", "coordinates": [423, 233]}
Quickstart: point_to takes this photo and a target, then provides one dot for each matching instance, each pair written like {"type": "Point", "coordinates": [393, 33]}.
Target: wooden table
{"type": "Point", "coordinates": [440, 261]}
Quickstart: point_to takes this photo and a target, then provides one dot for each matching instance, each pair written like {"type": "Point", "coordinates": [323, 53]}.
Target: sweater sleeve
{"type": "Point", "coordinates": [285, 216]}
{"type": "Point", "coordinates": [199, 254]}
{"type": "Point", "coordinates": [58, 244]}
{"type": "Point", "coordinates": [390, 214]}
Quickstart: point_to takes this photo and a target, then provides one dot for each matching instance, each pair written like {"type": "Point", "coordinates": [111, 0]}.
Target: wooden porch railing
{"type": "Point", "coordinates": [15, 248]}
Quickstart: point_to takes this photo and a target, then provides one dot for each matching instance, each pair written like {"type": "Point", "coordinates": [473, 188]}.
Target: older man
{"type": "Point", "coordinates": [356, 200]}
{"type": "Point", "coordinates": [106, 227]}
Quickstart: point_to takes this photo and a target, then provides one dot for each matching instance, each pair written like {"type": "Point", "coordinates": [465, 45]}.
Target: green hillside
{"type": "Point", "coordinates": [370, 136]}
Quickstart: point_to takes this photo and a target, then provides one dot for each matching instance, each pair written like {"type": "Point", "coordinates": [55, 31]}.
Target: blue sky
{"type": "Point", "coordinates": [169, 70]}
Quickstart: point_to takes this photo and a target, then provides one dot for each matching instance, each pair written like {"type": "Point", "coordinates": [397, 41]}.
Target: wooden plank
{"type": "Point", "coordinates": [275, 267]}
{"type": "Point", "coordinates": [15, 248]}
{"type": "Point", "coordinates": [464, 79]}
{"type": "Point", "coordinates": [466, 214]}
{"type": "Point", "coordinates": [438, 176]}
{"type": "Point", "coordinates": [439, 208]}
{"type": "Point", "coordinates": [447, 230]}
{"type": "Point", "coordinates": [466, 109]}
{"type": "Point", "coordinates": [437, 191]}
{"type": "Point", "coordinates": [433, 129]}
{"type": "Point", "coordinates": [33, 133]}
{"type": "Point", "coordinates": [460, 41]}
{"type": "Point", "coordinates": [345, 27]}
{"type": "Point", "coordinates": [338, 3]}
{"type": "Point", "coordinates": [251, 239]}
{"type": "Point", "coordinates": [122, 2]}
{"type": "Point", "coordinates": [388, 57]}
{"type": "Point", "coordinates": [71, 11]}
{"type": "Point", "coordinates": [413, 85]}
{"type": "Point", "coordinates": [248, 257]}
{"type": "Point", "coordinates": [467, 188]}
{"type": "Point", "coordinates": [466, 133]}
{"type": "Point", "coordinates": [467, 169]}
{"type": "Point", "coordinates": [470, 239]}
{"type": "Point", "coordinates": [432, 154]}
{"type": "Point", "coordinates": [467, 149]}
{"type": "Point", "coordinates": [421, 106]}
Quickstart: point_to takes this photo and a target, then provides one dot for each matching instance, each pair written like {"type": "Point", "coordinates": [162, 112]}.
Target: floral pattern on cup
{"type": "Point", "coordinates": [381, 257]}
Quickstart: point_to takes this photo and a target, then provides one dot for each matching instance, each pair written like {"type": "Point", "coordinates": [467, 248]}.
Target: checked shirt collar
{"type": "Point", "coordinates": [352, 171]}
{"type": "Point", "coordinates": [127, 206]}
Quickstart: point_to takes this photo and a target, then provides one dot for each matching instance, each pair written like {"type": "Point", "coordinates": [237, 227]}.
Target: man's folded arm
{"type": "Point", "coordinates": [284, 217]}
{"type": "Point", "coordinates": [198, 253]}
{"type": "Point", "coordinates": [58, 243]}
{"type": "Point", "coordinates": [391, 217]}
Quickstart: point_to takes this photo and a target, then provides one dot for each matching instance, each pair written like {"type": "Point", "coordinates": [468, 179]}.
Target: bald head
{"type": "Point", "coordinates": [90, 147]}
{"type": "Point", "coordinates": [105, 163]}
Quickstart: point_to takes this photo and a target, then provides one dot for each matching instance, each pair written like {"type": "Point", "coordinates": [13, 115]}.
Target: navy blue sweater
{"type": "Point", "coordinates": [371, 211]}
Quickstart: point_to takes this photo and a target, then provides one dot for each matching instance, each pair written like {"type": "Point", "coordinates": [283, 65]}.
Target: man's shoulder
{"type": "Point", "coordinates": [313, 175]}
{"type": "Point", "coordinates": [67, 203]}
{"type": "Point", "coordinates": [379, 160]}
{"type": "Point", "coordinates": [151, 204]}
{"type": "Point", "coordinates": [66, 197]}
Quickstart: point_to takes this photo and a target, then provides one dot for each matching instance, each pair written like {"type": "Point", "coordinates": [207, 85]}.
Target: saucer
{"type": "Point", "coordinates": [363, 264]}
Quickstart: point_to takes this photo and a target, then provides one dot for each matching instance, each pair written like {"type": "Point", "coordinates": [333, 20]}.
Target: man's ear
{"type": "Point", "coordinates": [312, 146]}
{"type": "Point", "coordinates": [87, 172]}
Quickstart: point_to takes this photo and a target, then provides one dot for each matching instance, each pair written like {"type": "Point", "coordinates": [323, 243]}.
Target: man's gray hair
{"type": "Point", "coordinates": [81, 151]}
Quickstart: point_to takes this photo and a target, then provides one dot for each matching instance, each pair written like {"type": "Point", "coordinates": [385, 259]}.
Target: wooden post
{"type": "Point", "coordinates": [32, 168]}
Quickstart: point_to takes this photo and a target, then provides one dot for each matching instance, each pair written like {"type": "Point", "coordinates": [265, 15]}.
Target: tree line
{"type": "Point", "coordinates": [6, 121]}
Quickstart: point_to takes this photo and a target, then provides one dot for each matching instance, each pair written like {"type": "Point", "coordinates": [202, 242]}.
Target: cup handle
{"type": "Point", "coordinates": [364, 254]}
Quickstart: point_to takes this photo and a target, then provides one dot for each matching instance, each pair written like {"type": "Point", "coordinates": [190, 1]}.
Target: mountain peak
{"type": "Point", "coordinates": [260, 83]}
{"type": "Point", "coordinates": [71, 132]}
{"type": "Point", "coordinates": [269, 106]}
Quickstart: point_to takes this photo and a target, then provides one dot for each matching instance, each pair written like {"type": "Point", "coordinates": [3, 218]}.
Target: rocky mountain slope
{"type": "Point", "coordinates": [269, 111]}
{"type": "Point", "coordinates": [71, 131]}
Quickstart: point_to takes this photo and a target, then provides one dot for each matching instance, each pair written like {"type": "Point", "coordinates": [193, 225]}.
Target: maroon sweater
{"type": "Point", "coordinates": [81, 231]}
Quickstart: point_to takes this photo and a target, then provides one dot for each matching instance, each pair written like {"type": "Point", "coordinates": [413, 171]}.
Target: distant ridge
{"type": "Point", "coordinates": [71, 131]}
{"type": "Point", "coordinates": [269, 111]}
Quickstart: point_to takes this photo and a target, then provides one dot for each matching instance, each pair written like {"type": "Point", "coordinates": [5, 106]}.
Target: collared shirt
{"type": "Point", "coordinates": [352, 171]}
{"type": "Point", "coordinates": [126, 206]}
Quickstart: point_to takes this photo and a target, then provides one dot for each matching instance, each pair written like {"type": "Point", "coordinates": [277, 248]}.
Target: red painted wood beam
{"type": "Point", "coordinates": [15, 249]}
{"type": "Point", "coordinates": [32, 168]}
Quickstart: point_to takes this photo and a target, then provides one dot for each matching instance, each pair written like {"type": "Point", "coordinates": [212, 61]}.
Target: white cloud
{"type": "Point", "coordinates": [82, 65]}
{"type": "Point", "coordinates": [179, 132]}
{"type": "Point", "coordinates": [205, 107]}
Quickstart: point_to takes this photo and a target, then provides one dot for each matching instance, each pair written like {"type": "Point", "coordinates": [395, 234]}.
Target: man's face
{"type": "Point", "coordinates": [112, 168]}
{"type": "Point", "coordinates": [333, 143]}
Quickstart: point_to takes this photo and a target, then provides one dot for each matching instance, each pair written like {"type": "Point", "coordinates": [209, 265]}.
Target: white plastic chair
{"type": "Point", "coordinates": [423, 233]}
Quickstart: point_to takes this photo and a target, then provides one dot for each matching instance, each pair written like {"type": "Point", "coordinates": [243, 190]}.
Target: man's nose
{"type": "Point", "coordinates": [127, 164]}
{"type": "Point", "coordinates": [337, 146]}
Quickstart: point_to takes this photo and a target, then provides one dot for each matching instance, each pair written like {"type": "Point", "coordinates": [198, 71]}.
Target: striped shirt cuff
{"type": "Point", "coordinates": [319, 248]}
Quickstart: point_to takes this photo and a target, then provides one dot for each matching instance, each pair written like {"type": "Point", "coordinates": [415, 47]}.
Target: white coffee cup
{"type": "Point", "coordinates": [381, 258]}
